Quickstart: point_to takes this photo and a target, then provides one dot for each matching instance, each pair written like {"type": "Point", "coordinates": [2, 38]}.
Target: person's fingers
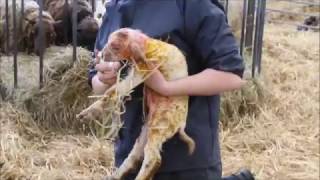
{"type": "Point", "coordinates": [110, 81]}
{"type": "Point", "coordinates": [107, 66]}
{"type": "Point", "coordinates": [107, 74]}
{"type": "Point", "coordinates": [116, 65]}
{"type": "Point", "coordinates": [102, 67]}
{"type": "Point", "coordinates": [97, 60]}
{"type": "Point", "coordinates": [107, 78]}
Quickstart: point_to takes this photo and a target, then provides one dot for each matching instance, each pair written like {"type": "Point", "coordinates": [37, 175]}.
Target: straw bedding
{"type": "Point", "coordinates": [270, 126]}
{"type": "Point", "coordinates": [27, 152]}
{"type": "Point", "coordinates": [65, 91]}
{"type": "Point", "coordinates": [280, 140]}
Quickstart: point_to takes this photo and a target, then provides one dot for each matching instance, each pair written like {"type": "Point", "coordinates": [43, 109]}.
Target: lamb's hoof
{"type": "Point", "coordinates": [92, 112]}
{"type": "Point", "coordinates": [109, 178]}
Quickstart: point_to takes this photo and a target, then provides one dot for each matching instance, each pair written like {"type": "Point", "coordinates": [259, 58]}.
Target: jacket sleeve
{"type": "Point", "coordinates": [98, 46]}
{"type": "Point", "coordinates": [91, 70]}
{"type": "Point", "coordinates": [207, 29]}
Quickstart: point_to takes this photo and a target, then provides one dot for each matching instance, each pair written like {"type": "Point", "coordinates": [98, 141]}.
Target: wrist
{"type": "Point", "coordinates": [168, 88]}
{"type": "Point", "coordinates": [98, 86]}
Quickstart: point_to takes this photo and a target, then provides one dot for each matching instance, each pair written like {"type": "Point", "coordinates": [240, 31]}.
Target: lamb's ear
{"type": "Point", "coordinates": [138, 53]}
{"type": "Point", "coordinates": [123, 34]}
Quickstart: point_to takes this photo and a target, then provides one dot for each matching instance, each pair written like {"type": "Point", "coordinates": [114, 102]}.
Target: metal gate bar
{"type": "Point", "coordinates": [243, 25]}
{"type": "Point", "coordinates": [15, 44]}
{"type": "Point", "coordinates": [65, 21]}
{"type": "Point", "coordinates": [290, 12]}
{"type": "Point", "coordinates": [93, 5]}
{"type": "Point", "coordinates": [250, 23]}
{"type": "Point", "coordinates": [41, 44]}
{"type": "Point", "coordinates": [7, 27]}
{"type": "Point", "coordinates": [226, 7]}
{"type": "Point", "coordinates": [261, 32]}
{"type": "Point", "coordinates": [74, 28]}
{"type": "Point", "coordinates": [301, 2]}
{"type": "Point", "coordinates": [22, 18]}
{"type": "Point", "coordinates": [258, 40]}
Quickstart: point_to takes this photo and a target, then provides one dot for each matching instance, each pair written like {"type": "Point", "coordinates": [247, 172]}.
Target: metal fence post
{"type": "Point", "coordinates": [22, 17]}
{"type": "Point", "coordinates": [254, 57]}
{"type": "Point", "coordinates": [74, 28]}
{"type": "Point", "coordinates": [7, 27]}
{"type": "Point", "coordinates": [258, 39]}
{"type": "Point", "coordinates": [41, 44]}
{"type": "Point", "coordinates": [261, 32]}
{"type": "Point", "coordinates": [93, 5]}
{"type": "Point", "coordinates": [65, 21]}
{"type": "Point", "coordinates": [226, 8]}
{"type": "Point", "coordinates": [250, 23]}
{"type": "Point", "coordinates": [243, 25]}
{"type": "Point", "coordinates": [15, 44]}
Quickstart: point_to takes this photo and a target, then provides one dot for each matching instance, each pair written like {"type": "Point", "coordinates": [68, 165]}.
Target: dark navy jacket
{"type": "Point", "coordinates": [200, 30]}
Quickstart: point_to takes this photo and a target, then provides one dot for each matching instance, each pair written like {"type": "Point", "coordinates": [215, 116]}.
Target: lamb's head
{"type": "Point", "coordinates": [125, 44]}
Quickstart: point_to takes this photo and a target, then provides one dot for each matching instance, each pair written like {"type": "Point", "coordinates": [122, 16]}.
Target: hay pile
{"type": "Point", "coordinates": [56, 61]}
{"type": "Point", "coordinates": [63, 95]}
{"type": "Point", "coordinates": [277, 134]}
{"type": "Point", "coordinates": [65, 92]}
{"type": "Point", "coordinates": [27, 152]}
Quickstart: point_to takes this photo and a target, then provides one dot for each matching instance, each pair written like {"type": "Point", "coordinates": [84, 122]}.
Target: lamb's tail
{"type": "Point", "coordinates": [187, 139]}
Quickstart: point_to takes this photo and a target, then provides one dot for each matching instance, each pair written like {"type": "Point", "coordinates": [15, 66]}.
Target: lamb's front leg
{"type": "Point", "coordinates": [114, 93]}
{"type": "Point", "coordinates": [94, 111]}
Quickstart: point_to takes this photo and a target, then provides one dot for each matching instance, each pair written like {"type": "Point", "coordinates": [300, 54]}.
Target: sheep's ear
{"type": "Point", "coordinates": [137, 51]}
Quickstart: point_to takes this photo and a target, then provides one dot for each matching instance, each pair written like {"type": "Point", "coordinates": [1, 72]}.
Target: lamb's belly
{"type": "Point", "coordinates": [175, 66]}
{"type": "Point", "coordinates": [171, 113]}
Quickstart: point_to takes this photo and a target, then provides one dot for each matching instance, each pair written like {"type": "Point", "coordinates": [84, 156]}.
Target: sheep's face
{"type": "Point", "coordinates": [87, 32]}
{"type": "Point", "coordinates": [33, 39]}
{"type": "Point", "coordinates": [49, 36]}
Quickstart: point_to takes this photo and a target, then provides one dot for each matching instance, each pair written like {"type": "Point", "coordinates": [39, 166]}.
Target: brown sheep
{"type": "Point", "coordinates": [166, 116]}
{"type": "Point", "coordinates": [87, 26]}
{"type": "Point", "coordinates": [312, 22]}
{"type": "Point", "coordinates": [28, 35]}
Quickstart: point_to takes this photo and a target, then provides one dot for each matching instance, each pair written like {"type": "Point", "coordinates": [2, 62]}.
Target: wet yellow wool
{"type": "Point", "coordinates": [172, 66]}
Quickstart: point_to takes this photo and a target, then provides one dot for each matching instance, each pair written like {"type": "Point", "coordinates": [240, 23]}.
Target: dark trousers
{"type": "Point", "coordinates": [192, 174]}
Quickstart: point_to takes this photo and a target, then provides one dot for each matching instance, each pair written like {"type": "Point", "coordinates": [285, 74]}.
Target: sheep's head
{"type": "Point", "coordinates": [33, 39]}
{"type": "Point", "coordinates": [87, 32]}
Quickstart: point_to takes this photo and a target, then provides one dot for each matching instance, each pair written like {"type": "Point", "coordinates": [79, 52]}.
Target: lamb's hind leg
{"type": "Point", "coordinates": [133, 158]}
{"type": "Point", "coordinates": [152, 158]}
